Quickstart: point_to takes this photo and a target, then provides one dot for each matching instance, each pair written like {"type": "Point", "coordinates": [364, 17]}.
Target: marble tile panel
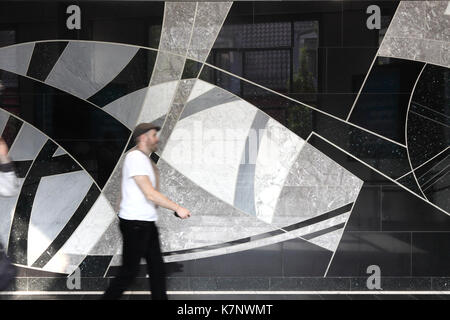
{"type": "Point", "coordinates": [278, 150]}
{"type": "Point", "coordinates": [437, 20]}
{"type": "Point", "coordinates": [168, 67]}
{"type": "Point", "coordinates": [86, 67]}
{"type": "Point", "coordinates": [126, 109]}
{"type": "Point", "coordinates": [51, 211]}
{"type": "Point", "coordinates": [408, 20]}
{"type": "Point", "coordinates": [208, 22]}
{"type": "Point", "coordinates": [84, 239]}
{"type": "Point", "coordinates": [28, 143]}
{"type": "Point", "coordinates": [177, 26]}
{"type": "Point", "coordinates": [207, 146]}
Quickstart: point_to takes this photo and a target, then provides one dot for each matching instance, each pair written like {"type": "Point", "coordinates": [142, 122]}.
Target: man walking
{"type": "Point", "coordinates": [137, 216]}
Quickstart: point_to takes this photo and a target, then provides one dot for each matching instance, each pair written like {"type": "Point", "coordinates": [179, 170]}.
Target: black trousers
{"type": "Point", "coordinates": [140, 240]}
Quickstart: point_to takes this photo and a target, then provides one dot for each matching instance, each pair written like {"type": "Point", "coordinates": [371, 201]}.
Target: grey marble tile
{"type": "Point", "coordinates": [51, 211]}
{"type": "Point", "coordinates": [309, 284]}
{"type": "Point", "coordinates": [127, 108]}
{"type": "Point", "coordinates": [27, 144]}
{"type": "Point", "coordinates": [177, 26]}
{"type": "Point", "coordinates": [409, 20]}
{"type": "Point", "coordinates": [168, 67]}
{"type": "Point", "coordinates": [424, 50]}
{"type": "Point", "coordinates": [244, 284]}
{"type": "Point", "coordinates": [181, 95]}
{"type": "Point", "coordinates": [437, 23]}
{"type": "Point", "coordinates": [86, 67]}
{"type": "Point", "coordinates": [208, 22]}
{"type": "Point", "coordinates": [445, 54]}
{"type": "Point", "coordinates": [16, 58]}
{"type": "Point", "coordinates": [112, 190]}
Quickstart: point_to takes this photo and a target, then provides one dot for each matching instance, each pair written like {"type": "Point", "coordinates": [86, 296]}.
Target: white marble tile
{"type": "Point", "coordinates": [157, 102]}
{"type": "Point", "coordinates": [27, 144]}
{"type": "Point", "coordinates": [110, 241]}
{"type": "Point", "coordinates": [84, 238]}
{"type": "Point", "coordinates": [207, 146]}
{"type": "Point", "coordinates": [52, 210]}
{"type": "Point", "coordinates": [200, 88]}
{"type": "Point", "coordinates": [278, 150]}
{"type": "Point", "coordinates": [168, 67]}
{"type": "Point", "coordinates": [86, 67]}
{"type": "Point", "coordinates": [127, 108]}
{"type": "Point", "coordinates": [16, 58]}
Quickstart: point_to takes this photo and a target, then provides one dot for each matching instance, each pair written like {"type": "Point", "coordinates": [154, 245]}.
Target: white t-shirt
{"type": "Point", "coordinates": [134, 205]}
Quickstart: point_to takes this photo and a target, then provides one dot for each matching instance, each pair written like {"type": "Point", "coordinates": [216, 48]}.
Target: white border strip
{"type": "Point", "coordinates": [368, 292]}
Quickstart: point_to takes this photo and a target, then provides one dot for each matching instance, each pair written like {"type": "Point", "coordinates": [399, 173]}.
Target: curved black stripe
{"type": "Point", "coordinates": [69, 228]}
{"type": "Point", "coordinates": [44, 58]}
{"type": "Point", "coordinates": [93, 137]}
{"type": "Point", "coordinates": [44, 165]}
{"type": "Point", "coordinates": [11, 130]}
{"type": "Point", "coordinates": [136, 75]}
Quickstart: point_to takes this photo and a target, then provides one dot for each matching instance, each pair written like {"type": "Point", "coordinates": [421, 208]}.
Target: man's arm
{"type": "Point", "coordinates": [158, 198]}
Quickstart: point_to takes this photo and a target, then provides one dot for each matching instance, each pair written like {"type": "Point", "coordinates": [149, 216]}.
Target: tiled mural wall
{"type": "Point", "coordinates": [307, 145]}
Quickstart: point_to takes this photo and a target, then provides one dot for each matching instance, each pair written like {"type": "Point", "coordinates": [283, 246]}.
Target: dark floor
{"type": "Point", "coordinates": [241, 297]}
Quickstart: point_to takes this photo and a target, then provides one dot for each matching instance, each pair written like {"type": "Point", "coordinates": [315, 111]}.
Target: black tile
{"type": "Point", "coordinates": [94, 266]}
{"type": "Point", "coordinates": [366, 214]}
{"type": "Point", "coordinates": [410, 182]}
{"type": "Point", "coordinates": [431, 89]}
{"type": "Point", "coordinates": [90, 265]}
{"type": "Point", "coordinates": [309, 284]}
{"type": "Point", "coordinates": [440, 284]}
{"type": "Point", "coordinates": [383, 103]}
{"type": "Point", "coordinates": [362, 171]}
{"type": "Point", "coordinates": [355, 30]}
{"type": "Point", "coordinates": [44, 57]}
{"type": "Point", "coordinates": [258, 262]}
{"type": "Point", "coordinates": [243, 284]}
{"type": "Point", "coordinates": [11, 130]}
{"type": "Point", "coordinates": [358, 250]}
{"type": "Point", "coordinates": [131, 22]}
{"type": "Point", "coordinates": [136, 75]}
{"type": "Point", "coordinates": [431, 254]}
{"type": "Point", "coordinates": [403, 211]}
{"type": "Point", "coordinates": [93, 137]}
{"type": "Point", "coordinates": [203, 283]}
{"type": "Point", "coordinates": [346, 69]}
{"type": "Point", "coordinates": [394, 284]}
{"type": "Point", "coordinates": [301, 258]}
{"type": "Point", "coordinates": [191, 69]}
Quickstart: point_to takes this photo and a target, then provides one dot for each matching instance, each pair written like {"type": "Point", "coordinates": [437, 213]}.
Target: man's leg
{"type": "Point", "coordinates": [132, 235]}
{"type": "Point", "coordinates": [155, 264]}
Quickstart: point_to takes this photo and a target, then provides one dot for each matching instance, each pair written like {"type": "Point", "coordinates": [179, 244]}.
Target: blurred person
{"type": "Point", "coordinates": [9, 187]}
{"type": "Point", "coordinates": [137, 216]}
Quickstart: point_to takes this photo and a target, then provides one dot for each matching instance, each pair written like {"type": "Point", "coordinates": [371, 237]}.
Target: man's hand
{"type": "Point", "coordinates": [3, 151]}
{"type": "Point", "coordinates": [183, 213]}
